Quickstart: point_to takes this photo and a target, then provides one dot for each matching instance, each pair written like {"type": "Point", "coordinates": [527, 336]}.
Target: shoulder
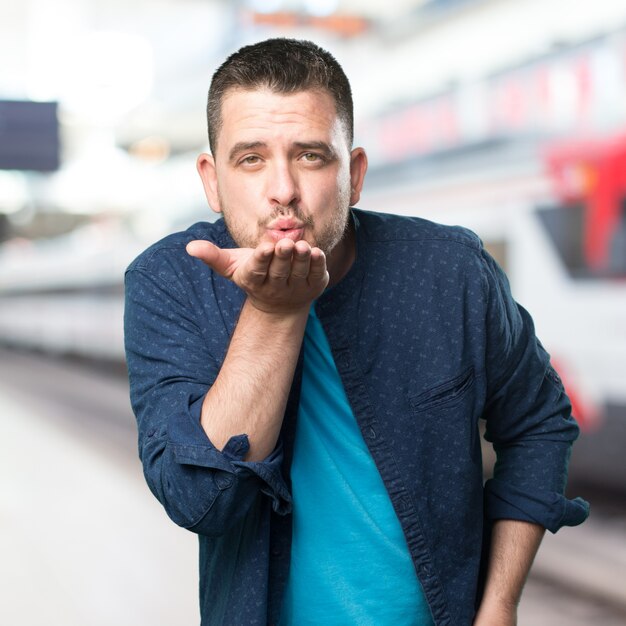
{"type": "Point", "coordinates": [395, 246]}
{"type": "Point", "coordinates": [387, 227]}
{"type": "Point", "coordinates": [165, 278]}
{"type": "Point", "coordinates": [171, 249]}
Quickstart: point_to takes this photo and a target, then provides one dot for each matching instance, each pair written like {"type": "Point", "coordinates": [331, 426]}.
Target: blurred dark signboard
{"type": "Point", "coordinates": [29, 135]}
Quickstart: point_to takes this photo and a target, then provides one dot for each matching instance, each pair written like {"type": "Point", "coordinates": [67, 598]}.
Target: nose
{"type": "Point", "coordinates": [282, 185]}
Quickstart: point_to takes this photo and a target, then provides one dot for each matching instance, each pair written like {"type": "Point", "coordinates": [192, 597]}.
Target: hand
{"type": "Point", "coordinates": [278, 278]}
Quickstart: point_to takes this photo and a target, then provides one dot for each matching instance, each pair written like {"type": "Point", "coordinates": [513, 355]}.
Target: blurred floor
{"type": "Point", "coordinates": [544, 604]}
{"type": "Point", "coordinates": [82, 540]}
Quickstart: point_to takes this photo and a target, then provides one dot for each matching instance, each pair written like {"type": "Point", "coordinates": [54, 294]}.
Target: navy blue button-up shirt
{"type": "Point", "coordinates": [427, 340]}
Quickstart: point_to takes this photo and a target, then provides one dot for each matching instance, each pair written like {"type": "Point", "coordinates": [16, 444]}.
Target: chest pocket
{"type": "Point", "coordinates": [446, 424]}
{"type": "Point", "coordinates": [446, 395]}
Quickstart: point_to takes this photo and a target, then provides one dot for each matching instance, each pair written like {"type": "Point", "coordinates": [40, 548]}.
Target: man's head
{"type": "Point", "coordinates": [282, 163]}
{"type": "Point", "coordinates": [284, 66]}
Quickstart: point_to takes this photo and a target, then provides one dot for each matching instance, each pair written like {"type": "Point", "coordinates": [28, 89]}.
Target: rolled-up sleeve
{"type": "Point", "coordinates": [173, 359]}
{"type": "Point", "coordinates": [528, 418]}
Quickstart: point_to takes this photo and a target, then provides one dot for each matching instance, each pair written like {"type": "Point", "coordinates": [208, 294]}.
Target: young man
{"type": "Point", "coordinates": [308, 379]}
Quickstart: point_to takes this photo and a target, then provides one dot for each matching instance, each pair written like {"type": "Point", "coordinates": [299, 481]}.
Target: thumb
{"type": "Point", "coordinates": [217, 258]}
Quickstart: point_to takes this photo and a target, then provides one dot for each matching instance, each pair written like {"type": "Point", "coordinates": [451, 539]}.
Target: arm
{"type": "Point", "coordinates": [250, 392]}
{"type": "Point", "coordinates": [529, 421]}
{"type": "Point", "coordinates": [513, 548]}
{"type": "Point", "coordinates": [176, 340]}
{"type": "Point", "coordinates": [528, 418]}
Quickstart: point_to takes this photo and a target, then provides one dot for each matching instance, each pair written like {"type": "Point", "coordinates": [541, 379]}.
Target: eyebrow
{"type": "Point", "coordinates": [243, 146]}
{"type": "Point", "coordinates": [318, 146]}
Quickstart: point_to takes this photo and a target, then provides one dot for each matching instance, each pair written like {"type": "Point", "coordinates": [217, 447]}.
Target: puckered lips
{"type": "Point", "coordinates": [285, 228]}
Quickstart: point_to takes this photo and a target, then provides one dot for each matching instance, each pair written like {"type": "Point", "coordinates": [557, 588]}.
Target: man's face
{"type": "Point", "coordinates": [282, 168]}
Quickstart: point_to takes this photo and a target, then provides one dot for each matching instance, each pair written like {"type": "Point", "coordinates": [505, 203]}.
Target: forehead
{"type": "Point", "coordinates": [264, 115]}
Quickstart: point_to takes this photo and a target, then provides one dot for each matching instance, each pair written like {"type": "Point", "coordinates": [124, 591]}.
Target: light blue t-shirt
{"type": "Point", "coordinates": [349, 560]}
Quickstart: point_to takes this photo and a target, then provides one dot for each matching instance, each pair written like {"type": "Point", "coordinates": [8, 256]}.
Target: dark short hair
{"type": "Point", "coordinates": [284, 66]}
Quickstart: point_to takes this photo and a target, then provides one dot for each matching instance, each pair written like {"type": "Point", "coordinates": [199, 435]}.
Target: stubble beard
{"type": "Point", "coordinates": [326, 238]}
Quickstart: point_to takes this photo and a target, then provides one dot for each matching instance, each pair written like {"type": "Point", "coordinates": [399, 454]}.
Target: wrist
{"type": "Point", "coordinates": [275, 319]}
{"type": "Point", "coordinates": [279, 311]}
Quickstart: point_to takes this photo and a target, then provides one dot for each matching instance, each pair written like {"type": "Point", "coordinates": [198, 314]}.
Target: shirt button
{"type": "Point", "coordinates": [371, 433]}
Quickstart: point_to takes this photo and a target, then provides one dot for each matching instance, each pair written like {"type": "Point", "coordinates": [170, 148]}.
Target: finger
{"type": "Point", "coordinates": [301, 260]}
{"type": "Point", "coordinates": [318, 272]}
{"type": "Point", "coordinates": [213, 256]}
{"type": "Point", "coordinates": [280, 265]}
{"type": "Point", "coordinates": [259, 263]}
{"type": "Point", "coordinates": [223, 260]}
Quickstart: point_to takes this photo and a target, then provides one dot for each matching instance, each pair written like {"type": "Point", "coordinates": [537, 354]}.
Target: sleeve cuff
{"type": "Point", "coordinates": [191, 446]}
{"type": "Point", "coordinates": [270, 472]}
{"type": "Point", "coordinates": [548, 509]}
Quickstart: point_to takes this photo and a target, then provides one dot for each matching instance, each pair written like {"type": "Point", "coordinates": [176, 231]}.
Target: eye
{"type": "Point", "coordinates": [311, 157]}
{"type": "Point", "coordinates": [250, 161]}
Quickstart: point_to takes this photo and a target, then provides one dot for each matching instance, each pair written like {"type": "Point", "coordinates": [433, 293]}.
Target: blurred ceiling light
{"type": "Point", "coordinates": [106, 74]}
{"type": "Point", "coordinates": [320, 15]}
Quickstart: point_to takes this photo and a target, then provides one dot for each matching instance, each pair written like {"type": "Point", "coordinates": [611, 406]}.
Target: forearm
{"type": "Point", "coordinates": [250, 393]}
{"type": "Point", "coordinates": [513, 547]}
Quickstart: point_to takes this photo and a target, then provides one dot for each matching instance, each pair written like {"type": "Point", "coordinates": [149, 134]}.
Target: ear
{"type": "Point", "coordinates": [358, 167]}
{"type": "Point", "coordinates": [205, 164]}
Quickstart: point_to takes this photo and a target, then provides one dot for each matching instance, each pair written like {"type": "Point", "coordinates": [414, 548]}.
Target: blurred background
{"type": "Point", "coordinates": [505, 116]}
